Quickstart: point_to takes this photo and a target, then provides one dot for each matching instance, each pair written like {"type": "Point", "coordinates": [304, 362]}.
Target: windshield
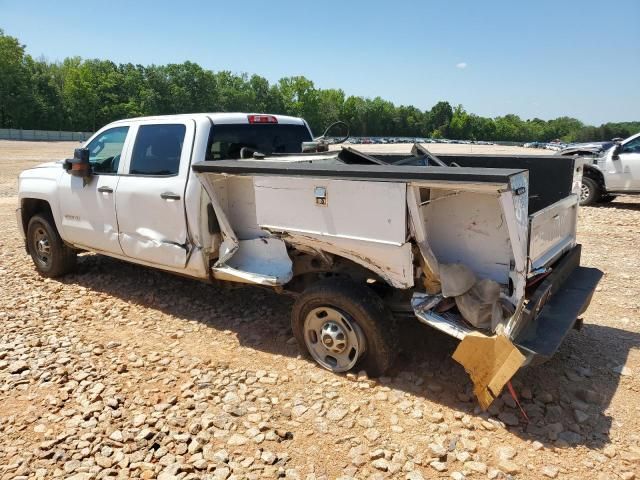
{"type": "Point", "coordinates": [226, 141]}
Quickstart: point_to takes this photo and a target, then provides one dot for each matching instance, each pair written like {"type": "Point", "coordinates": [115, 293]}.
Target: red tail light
{"type": "Point", "coordinates": [262, 119]}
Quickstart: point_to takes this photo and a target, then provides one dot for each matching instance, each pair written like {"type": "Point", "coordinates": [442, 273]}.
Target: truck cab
{"type": "Point", "coordinates": [621, 166]}
{"type": "Point", "coordinates": [615, 171]}
{"type": "Point", "coordinates": [141, 169]}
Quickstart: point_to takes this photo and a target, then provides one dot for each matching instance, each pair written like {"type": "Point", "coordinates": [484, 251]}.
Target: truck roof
{"type": "Point", "coordinates": [219, 118]}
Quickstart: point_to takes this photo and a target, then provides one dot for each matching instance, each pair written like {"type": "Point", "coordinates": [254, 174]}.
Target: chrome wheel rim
{"type": "Point", "coordinates": [42, 246]}
{"type": "Point", "coordinates": [333, 339]}
{"type": "Point", "coordinates": [584, 192]}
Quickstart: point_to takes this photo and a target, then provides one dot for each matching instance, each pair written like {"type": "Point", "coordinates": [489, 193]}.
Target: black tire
{"type": "Point", "coordinates": [362, 307]}
{"type": "Point", "coordinates": [590, 191]}
{"type": "Point", "coordinates": [51, 257]}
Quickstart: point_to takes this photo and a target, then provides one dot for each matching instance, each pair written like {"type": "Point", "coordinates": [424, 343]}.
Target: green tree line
{"type": "Point", "coordinates": [83, 95]}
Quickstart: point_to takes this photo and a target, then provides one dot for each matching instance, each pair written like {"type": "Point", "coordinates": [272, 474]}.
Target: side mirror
{"type": "Point", "coordinates": [616, 152]}
{"type": "Point", "coordinates": [79, 165]}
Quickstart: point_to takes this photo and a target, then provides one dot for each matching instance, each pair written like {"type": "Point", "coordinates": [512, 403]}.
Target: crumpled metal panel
{"type": "Point", "coordinates": [520, 189]}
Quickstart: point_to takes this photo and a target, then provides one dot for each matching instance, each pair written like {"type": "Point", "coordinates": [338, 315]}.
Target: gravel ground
{"type": "Point", "coordinates": [121, 371]}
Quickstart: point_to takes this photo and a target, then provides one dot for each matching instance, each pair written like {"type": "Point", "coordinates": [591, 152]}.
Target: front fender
{"type": "Point", "coordinates": [40, 183]}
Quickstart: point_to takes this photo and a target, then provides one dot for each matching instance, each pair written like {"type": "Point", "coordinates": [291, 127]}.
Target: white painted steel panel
{"type": "Point", "coordinates": [469, 228]}
{"type": "Point", "coordinates": [358, 210]}
{"type": "Point", "coordinates": [553, 231]}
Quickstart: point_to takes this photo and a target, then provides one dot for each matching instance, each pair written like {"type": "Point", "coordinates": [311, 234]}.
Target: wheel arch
{"type": "Point", "coordinates": [33, 206]}
{"type": "Point", "coordinates": [309, 268]}
{"type": "Point", "coordinates": [596, 175]}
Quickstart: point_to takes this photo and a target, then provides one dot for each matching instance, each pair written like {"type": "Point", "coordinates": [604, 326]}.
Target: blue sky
{"type": "Point", "coordinates": [544, 58]}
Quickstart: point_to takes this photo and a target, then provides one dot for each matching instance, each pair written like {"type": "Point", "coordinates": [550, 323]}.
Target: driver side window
{"type": "Point", "coordinates": [632, 147]}
{"type": "Point", "coordinates": [105, 150]}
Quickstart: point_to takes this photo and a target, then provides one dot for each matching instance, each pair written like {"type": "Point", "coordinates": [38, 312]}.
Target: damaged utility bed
{"type": "Point", "coordinates": [458, 241]}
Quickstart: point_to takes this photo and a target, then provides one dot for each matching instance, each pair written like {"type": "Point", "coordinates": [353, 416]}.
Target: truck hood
{"type": "Point", "coordinates": [43, 171]}
{"type": "Point", "coordinates": [51, 164]}
{"type": "Point", "coordinates": [594, 148]}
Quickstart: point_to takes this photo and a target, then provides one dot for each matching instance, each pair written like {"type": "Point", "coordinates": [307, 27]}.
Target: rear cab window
{"type": "Point", "coordinates": [227, 141]}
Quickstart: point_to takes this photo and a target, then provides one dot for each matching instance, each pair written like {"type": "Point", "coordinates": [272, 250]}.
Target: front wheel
{"type": "Point", "coordinates": [51, 257]}
{"type": "Point", "coordinates": [589, 192]}
{"type": "Point", "coordinates": [344, 326]}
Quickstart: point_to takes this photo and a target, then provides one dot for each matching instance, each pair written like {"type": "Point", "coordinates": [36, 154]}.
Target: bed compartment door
{"type": "Point", "coordinates": [348, 209]}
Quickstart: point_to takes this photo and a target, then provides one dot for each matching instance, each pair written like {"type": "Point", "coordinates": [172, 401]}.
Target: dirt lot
{"type": "Point", "coordinates": [120, 371]}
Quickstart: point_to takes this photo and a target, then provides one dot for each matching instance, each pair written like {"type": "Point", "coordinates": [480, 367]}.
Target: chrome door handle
{"type": "Point", "coordinates": [105, 190]}
{"type": "Point", "coordinates": [169, 196]}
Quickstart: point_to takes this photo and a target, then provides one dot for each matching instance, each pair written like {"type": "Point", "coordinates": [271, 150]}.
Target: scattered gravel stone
{"type": "Point", "coordinates": [237, 440]}
{"type": "Point", "coordinates": [507, 466]}
{"type": "Point", "coordinates": [477, 467]}
{"type": "Point", "coordinates": [549, 471]}
{"type": "Point", "coordinates": [118, 372]}
{"type": "Point", "coordinates": [506, 452]}
{"type": "Point", "coordinates": [509, 418]}
{"type": "Point", "coordinates": [381, 464]}
{"type": "Point", "coordinates": [337, 414]}
{"type": "Point", "coordinates": [437, 450]}
{"type": "Point", "coordinates": [18, 367]}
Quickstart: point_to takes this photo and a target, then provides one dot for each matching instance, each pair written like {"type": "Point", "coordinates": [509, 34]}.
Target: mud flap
{"type": "Point", "coordinates": [490, 362]}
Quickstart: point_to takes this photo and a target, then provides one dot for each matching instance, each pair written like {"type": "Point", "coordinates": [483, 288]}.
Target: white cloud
{"type": "Point", "coordinates": [461, 65]}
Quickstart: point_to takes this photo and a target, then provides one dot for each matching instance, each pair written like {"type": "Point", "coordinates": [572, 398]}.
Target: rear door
{"type": "Point", "coordinates": [150, 196]}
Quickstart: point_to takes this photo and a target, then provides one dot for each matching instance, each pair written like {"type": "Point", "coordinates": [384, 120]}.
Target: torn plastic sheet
{"type": "Point", "coordinates": [477, 300]}
{"type": "Point", "coordinates": [490, 362]}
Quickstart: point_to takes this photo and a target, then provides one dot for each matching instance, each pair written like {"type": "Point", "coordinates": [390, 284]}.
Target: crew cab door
{"type": "Point", "coordinates": [88, 208]}
{"type": "Point", "coordinates": [150, 195]}
{"type": "Point", "coordinates": [623, 172]}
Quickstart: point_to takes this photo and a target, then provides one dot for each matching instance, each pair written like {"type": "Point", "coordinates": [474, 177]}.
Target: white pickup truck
{"type": "Point", "coordinates": [611, 169]}
{"type": "Point", "coordinates": [482, 248]}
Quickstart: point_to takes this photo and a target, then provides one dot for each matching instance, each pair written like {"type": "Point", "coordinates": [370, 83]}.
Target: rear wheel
{"type": "Point", "coordinates": [589, 192]}
{"type": "Point", "coordinates": [344, 326]}
{"type": "Point", "coordinates": [51, 257]}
